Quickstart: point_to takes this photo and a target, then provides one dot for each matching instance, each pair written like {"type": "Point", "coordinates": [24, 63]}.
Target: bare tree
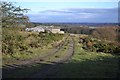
{"type": "Point", "coordinates": [12, 15]}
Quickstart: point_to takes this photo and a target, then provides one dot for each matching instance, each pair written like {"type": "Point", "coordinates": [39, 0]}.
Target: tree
{"type": "Point", "coordinates": [12, 15]}
{"type": "Point", "coordinates": [105, 33]}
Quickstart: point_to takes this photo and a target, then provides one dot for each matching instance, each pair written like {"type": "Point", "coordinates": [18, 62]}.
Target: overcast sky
{"type": "Point", "coordinates": [97, 11]}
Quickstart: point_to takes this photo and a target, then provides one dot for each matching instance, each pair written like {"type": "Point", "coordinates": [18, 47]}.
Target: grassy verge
{"type": "Point", "coordinates": [86, 64]}
{"type": "Point", "coordinates": [38, 52]}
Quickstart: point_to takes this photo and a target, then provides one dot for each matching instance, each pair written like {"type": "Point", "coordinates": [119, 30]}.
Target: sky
{"type": "Point", "coordinates": [90, 11]}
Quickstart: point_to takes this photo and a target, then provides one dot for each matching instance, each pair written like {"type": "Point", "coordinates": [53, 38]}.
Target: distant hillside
{"type": "Point", "coordinates": [77, 24]}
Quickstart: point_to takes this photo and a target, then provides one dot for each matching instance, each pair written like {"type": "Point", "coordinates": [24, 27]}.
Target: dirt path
{"type": "Point", "coordinates": [48, 70]}
{"type": "Point", "coordinates": [45, 69]}
{"type": "Point", "coordinates": [24, 64]}
{"type": "Point", "coordinates": [46, 55]}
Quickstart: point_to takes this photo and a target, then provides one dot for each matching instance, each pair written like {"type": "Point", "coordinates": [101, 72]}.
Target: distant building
{"type": "Point", "coordinates": [47, 28]}
{"type": "Point", "coordinates": [56, 30]}
{"type": "Point", "coordinates": [35, 29]}
{"type": "Point", "coordinates": [61, 32]}
{"type": "Point", "coordinates": [92, 27]}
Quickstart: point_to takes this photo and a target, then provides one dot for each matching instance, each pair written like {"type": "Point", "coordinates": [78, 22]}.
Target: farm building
{"type": "Point", "coordinates": [56, 30]}
{"type": "Point", "coordinates": [47, 28]}
{"type": "Point", "coordinates": [36, 29]}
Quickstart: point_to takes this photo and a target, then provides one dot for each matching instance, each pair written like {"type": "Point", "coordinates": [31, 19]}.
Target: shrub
{"type": "Point", "coordinates": [101, 46]}
{"type": "Point", "coordinates": [106, 48]}
{"type": "Point", "coordinates": [105, 33]}
{"type": "Point", "coordinates": [16, 40]}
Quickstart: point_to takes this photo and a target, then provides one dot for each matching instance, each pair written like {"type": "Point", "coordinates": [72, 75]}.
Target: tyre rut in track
{"type": "Point", "coordinates": [14, 67]}
{"type": "Point", "coordinates": [47, 70]}
{"type": "Point", "coordinates": [54, 51]}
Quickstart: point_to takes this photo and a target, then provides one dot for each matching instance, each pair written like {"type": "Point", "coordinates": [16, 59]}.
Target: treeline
{"type": "Point", "coordinates": [103, 33]}
{"type": "Point", "coordinates": [76, 24]}
{"type": "Point", "coordinates": [107, 33]}
{"type": "Point", "coordinates": [77, 30]}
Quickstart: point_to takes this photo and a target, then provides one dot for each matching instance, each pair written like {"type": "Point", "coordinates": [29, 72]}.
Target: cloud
{"type": "Point", "coordinates": [77, 15]}
{"type": "Point", "coordinates": [57, 11]}
{"type": "Point", "coordinates": [86, 15]}
{"type": "Point", "coordinates": [93, 10]}
{"type": "Point", "coordinates": [79, 11]}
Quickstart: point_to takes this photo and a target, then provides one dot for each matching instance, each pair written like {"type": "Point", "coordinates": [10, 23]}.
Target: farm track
{"type": "Point", "coordinates": [14, 67]}
{"type": "Point", "coordinates": [54, 51]}
{"type": "Point", "coordinates": [48, 70]}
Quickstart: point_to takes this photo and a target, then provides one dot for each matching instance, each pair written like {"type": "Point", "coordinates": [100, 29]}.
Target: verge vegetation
{"type": "Point", "coordinates": [18, 44]}
{"type": "Point", "coordinates": [87, 64]}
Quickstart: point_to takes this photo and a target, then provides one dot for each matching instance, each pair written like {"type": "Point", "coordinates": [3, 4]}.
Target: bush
{"type": "Point", "coordinates": [16, 40]}
{"type": "Point", "coordinates": [105, 33]}
{"type": "Point", "coordinates": [101, 46]}
{"type": "Point", "coordinates": [106, 48]}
